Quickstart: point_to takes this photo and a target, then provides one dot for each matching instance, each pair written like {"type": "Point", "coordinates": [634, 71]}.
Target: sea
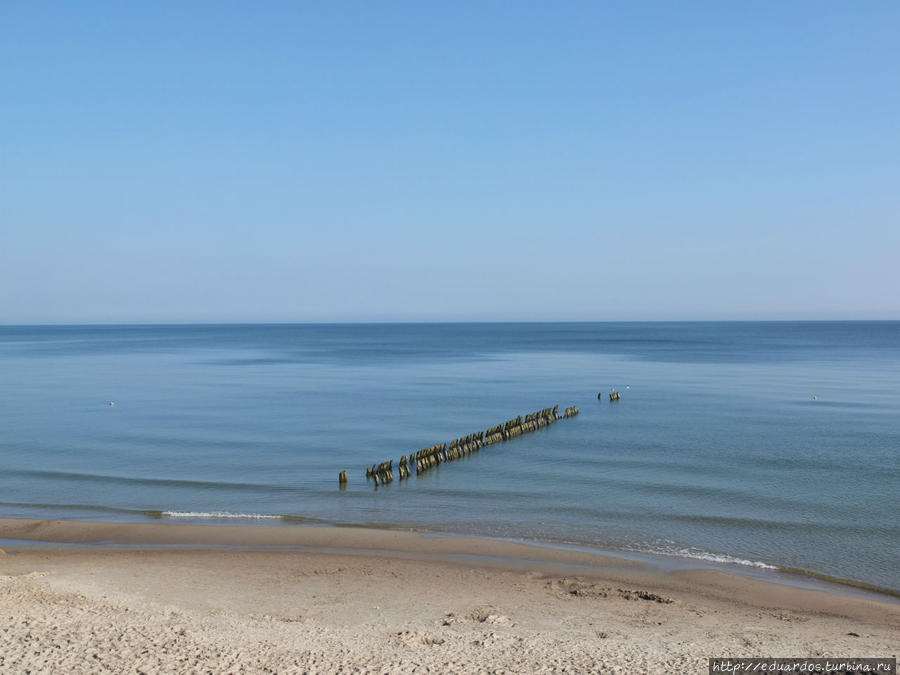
{"type": "Point", "coordinates": [752, 444]}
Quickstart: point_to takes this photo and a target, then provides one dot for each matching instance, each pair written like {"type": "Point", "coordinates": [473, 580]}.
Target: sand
{"type": "Point", "coordinates": [339, 600]}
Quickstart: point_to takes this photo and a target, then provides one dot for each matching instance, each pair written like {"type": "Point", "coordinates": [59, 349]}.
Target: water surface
{"type": "Point", "coordinates": [716, 450]}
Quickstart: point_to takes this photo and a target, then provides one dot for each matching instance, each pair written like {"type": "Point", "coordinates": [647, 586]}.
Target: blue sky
{"type": "Point", "coordinates": [420, 161]}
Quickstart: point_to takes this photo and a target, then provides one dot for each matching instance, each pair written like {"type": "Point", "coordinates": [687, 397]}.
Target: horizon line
{"type": "Point", "coordinates": [420, 323]}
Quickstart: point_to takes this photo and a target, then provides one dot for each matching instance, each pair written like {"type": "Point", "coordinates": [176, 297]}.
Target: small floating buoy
{"type": "Point", "coordinates": [815, 398]}
{"type": "Point", "coordinates": [112, 403]}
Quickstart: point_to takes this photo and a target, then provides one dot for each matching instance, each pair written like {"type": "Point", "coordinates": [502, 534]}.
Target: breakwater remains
{"type": "Point", "coordinates": [426, 459]}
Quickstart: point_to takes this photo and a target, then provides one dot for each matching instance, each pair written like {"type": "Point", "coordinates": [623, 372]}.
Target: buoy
{"type": "Point", "coordinates": [112, 403]}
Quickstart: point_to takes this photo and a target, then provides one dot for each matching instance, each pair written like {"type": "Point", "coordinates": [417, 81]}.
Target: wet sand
{"type": "Point", "coordinates": [291, 599]}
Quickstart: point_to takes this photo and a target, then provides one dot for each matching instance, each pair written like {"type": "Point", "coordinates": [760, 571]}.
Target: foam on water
{"type": "Point", "coordinates": [706, 556]}
{"type": "Point", "coordinates": [205, 515]}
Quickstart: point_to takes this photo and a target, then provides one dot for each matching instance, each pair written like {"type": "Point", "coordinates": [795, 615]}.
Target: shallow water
{"type": "Point", "coordinates": [716, 450]}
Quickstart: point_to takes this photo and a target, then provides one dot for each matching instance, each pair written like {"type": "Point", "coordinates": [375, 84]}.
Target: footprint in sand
{"type": "Point", "coordinates": [477, 615]}
{"type": "Point", "coordinates": [414, 638]}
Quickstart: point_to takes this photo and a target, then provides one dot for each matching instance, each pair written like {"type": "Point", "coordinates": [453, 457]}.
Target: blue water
{"type": "Point", "coordinates": [716, 449]}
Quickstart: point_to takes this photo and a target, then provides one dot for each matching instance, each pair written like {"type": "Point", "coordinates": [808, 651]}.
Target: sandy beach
{"type": "Point", "coordinates": [296, 599]}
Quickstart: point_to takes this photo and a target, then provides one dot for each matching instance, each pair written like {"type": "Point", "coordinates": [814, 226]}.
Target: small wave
{"type": "Point", "coordinates": [250, 362]}
{"type": "Point", "coordinates": [721, 558]}
{"type": "Point", "coordinates": [65, 508]}
{"type": "Point", "coordinates": [162, 482]}
{"type": "Point", "coordinates": [699, 554]}
{"type": "Point", "coordinates": [220, 514]}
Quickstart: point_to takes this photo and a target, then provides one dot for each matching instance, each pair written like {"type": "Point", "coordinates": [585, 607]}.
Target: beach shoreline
{"type": "Point", "coordinates": [316, 599]}
{"type": "Point", "coordinates": [398, 540]}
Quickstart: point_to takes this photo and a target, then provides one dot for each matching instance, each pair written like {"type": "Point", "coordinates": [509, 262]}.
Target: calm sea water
{"type": "Point", "coordinates": [716, 449]}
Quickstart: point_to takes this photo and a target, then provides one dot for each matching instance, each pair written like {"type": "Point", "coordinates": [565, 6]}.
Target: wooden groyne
{"type": "Point", "coordinates": [426, 459]}
{"type": "Point", "coordinates": [381, 473]}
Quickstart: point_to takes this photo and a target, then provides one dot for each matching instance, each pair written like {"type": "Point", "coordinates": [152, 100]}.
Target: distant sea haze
{"type": "Point", "coordinates": [757, 444]}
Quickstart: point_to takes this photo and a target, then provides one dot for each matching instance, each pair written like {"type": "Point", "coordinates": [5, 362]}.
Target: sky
{"type": "Point", "coordinates": [448, 161]}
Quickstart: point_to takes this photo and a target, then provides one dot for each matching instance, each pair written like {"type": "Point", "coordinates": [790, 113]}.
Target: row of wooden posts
{"type": "Point", "coordinates": [426, 459]}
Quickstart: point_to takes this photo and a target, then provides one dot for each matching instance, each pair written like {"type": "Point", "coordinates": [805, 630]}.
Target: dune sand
{"type": "Point", "coordinates": [294, 599]}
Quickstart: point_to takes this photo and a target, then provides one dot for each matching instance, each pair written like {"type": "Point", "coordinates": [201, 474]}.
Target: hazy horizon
{"type": "Point", "coordinates": [347, 162]}
{"type": "Point", "coordinates": [426, 323]}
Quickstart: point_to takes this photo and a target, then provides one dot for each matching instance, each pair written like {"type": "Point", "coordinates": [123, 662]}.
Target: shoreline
{"type": "Point", "coordinates": [231, 598]}
{"type": "Point", "coordinates": [417, 604]}
{"type": "Point", "coordinates": [404, 541]}
{"type": "Point", "coordinates": [703, 559]}
{"type": "Point", "coordinates": [29, 531]}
